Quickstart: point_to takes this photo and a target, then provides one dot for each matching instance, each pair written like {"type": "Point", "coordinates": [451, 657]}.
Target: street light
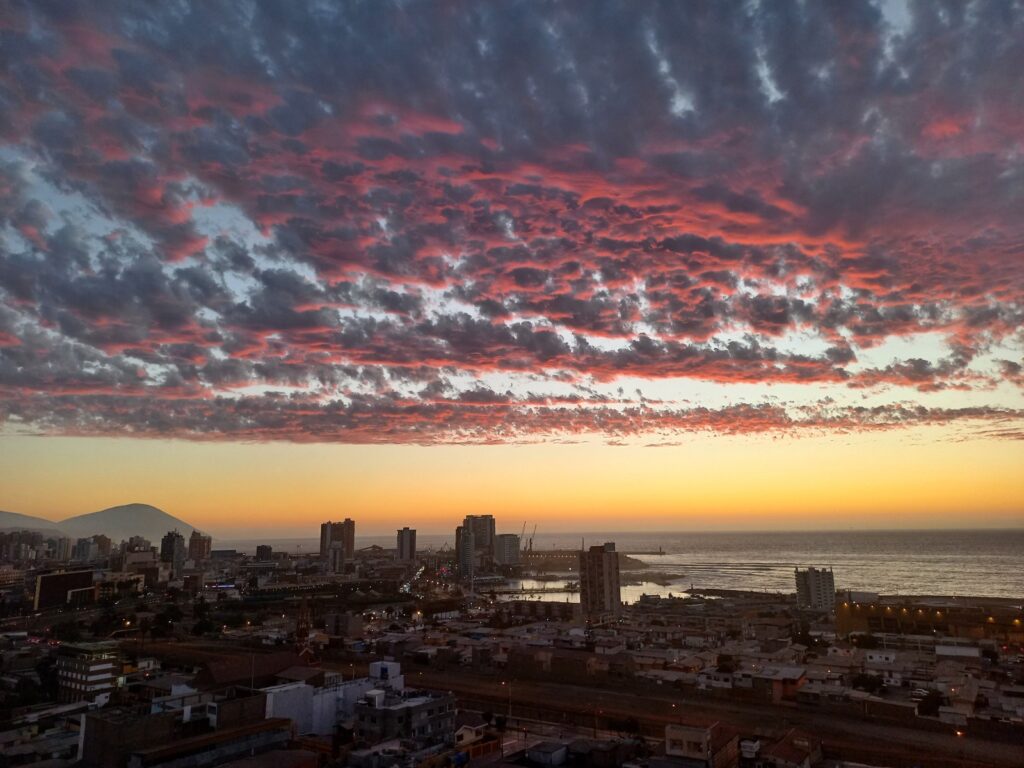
{"type": "Point", "coordinates": [509, 698]}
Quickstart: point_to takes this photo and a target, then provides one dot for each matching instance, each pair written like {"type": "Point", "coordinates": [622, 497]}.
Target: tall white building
{"type": "Point", "coordinates": [816, 589]}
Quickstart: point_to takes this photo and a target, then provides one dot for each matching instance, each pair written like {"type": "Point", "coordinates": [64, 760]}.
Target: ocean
{"type": "Point", "coordinates": [986, 563]}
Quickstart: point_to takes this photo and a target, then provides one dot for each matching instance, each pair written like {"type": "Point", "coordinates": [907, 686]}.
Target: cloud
{"type": "Point", "coordinates": [353, 222]}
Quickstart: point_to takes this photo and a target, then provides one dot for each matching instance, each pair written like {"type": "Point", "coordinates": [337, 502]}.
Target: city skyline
{"type": "Point", "coordinates": [376, 529]}
{"type": "Point", "coordinates": [243, 488]}
{"type": "Point", "coordinates": [735, 268]}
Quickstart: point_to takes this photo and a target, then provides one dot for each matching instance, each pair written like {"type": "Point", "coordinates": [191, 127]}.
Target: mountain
{"type": "Point", "coordinates": [12, 521]}
{"type": "Point", "coordinates": [126, 520]}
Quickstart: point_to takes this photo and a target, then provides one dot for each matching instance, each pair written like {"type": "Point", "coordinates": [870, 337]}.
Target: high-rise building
{"type": "Point", "coordinates": [465, 552]}
{"type": "Point", "coordinates": [138, 544]}
{"type": "Point", "coordinates": [264, 552]}
{"type": "Point", "coordinates": [506, 549]}
{"type": "Point", "coordinates": [172, 550]}
{"type": "Point", "coordinates": [483, 533]}
{"type": "Point", "coordinates": [345, 532]}
{"type": "Point", "coordinates": [327, 536]}
{"type": "Point", "coordinates": [103, 544]}
{"type": "Point", "coordinates": [816, 589]}
{"type": "Point", "coordinates": [407, 544]}
{"type": "Point", "coordinates": [199, 547]}
{"type": "Point", "coordinates": [85, 550]}
{"type": "Point", "coordinates": [600, 591]}
{"type": "Point", "coordinates": [62, 549]}
{"type": "Point", "coordinates": [474, 545]}
{"type": "Point", "coordinates": [348, 537]}
{"type": "Point", "coordinates": [336, 557]}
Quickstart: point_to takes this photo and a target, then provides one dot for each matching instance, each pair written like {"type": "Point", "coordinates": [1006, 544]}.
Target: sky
{"type": "Point", "coordinates": [661, 265]}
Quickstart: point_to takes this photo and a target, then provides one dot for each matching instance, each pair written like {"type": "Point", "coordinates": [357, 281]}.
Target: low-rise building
{"type": "Point", "coordinates": [794, 750]}
{"type": "Point", "coordinates": [702, 746]}
{"type": "Point", "coordinates": [60, 587]}
{"type": "Point", "coordinates": [420, 717]}
{"type": "Point", "coordinates": [87, 671]}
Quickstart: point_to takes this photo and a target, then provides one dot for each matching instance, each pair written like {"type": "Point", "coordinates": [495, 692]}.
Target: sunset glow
{"type": "Point", "coordinates": [722, 267]}
{"type": "Point", "coordinates": [879, 480]}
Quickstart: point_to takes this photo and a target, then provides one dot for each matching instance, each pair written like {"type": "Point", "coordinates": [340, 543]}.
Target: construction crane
{"type": "Point", "coordinates": [532, 535]}
{"type": "Point", "coordinates": [522, 538]}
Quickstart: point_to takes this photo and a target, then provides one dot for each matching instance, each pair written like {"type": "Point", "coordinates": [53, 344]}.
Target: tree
{"type": "Point", "coordinates": [106, 623]}
{"type": "Point", "coordinates": [929, 705]}
{"type": "Point", "coordinates": [164, 621]}
{"type": "Point", "coordinates": [865, 641]}
{"type": "Point", "coordinates": [46, 669]}
{"type": "Point", "coordinates": [203, 626]}
{"type": "Point", "coordinates": [172, 612]}
{"type": "Point", "coordinates": [869, 683]}
{"type": "Point", "coordinates": [27, 692]}
{"type": "Point", "coordinates": [633, 727]}
{"type": "Point", "coordinates": [67, 632]}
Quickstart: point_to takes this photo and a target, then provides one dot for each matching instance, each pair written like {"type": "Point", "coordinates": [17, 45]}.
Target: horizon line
{"type": "Point", "coordinates": [1016, 529]}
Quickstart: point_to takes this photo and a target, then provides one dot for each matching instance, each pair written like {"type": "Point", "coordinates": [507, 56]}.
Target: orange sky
{"type": "Point", "coordinates": [496, 238]}
{"type": "Point", "coordinates": [904, 479]}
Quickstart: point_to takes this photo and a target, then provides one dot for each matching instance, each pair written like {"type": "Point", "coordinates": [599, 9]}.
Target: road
{"type": "Point", "coordinates": [53, 616]}
{"type": "Point", "coordinates": [860, 739]}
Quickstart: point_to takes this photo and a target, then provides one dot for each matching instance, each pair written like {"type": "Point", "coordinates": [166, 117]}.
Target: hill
{"type": "Point", "coordinates": [126, 520]}
{"type": "Point", "coordinates": [12, 521]}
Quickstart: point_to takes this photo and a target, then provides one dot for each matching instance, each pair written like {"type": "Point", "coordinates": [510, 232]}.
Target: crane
{"type": "Point", "coordinates": [532, 535]}
{"type": "Point", "coordinates": [522, 537]}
